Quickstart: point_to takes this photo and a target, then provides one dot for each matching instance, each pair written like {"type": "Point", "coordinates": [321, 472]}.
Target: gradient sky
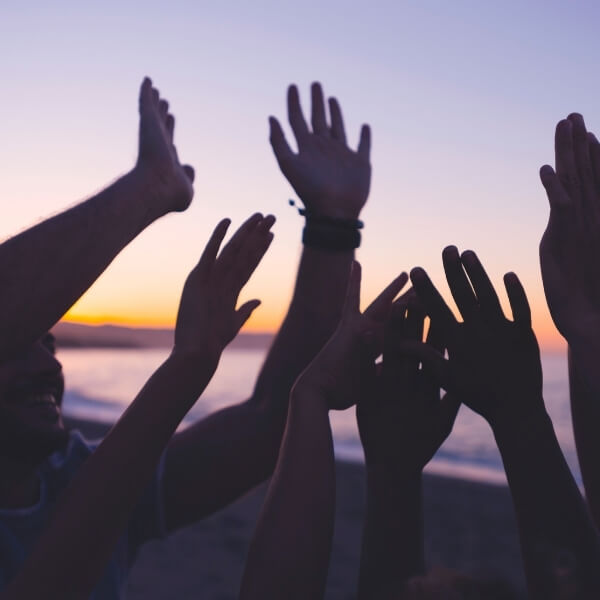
{"type": "Point", "coordinates": [462, 98]}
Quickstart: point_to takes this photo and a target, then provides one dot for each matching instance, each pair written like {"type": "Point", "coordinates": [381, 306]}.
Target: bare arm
{"type": "Point", "coordinates": [494, 367]}
{"type": "Point", "coordinates": [99, 500]}
{"type": "Point", "coordinates": [218, 459]}
{"type": "Point", "coordinates": [402, 422]}
{"type": "Point", "coordinates": [289, 553]}
{"type": "Point", "coordinates": [585, 412]}
{"type": "Point", "coordinates": [568, 255]}
{"type": "Point", "coordinates": [45, 269]}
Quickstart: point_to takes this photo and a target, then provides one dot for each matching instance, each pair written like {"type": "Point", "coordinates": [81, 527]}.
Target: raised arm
{"type": "Point", "coordinates": [569, 253]}
{"type": "Point", "coordinates": [99, 500]}
{"type": "Point", "coordinates": [494, 367]}
{"type": "Point", "coordinates": [289, 553]}
{"type": "Point", "coordinates": [332, 181]}
{"type": "Point", "coordinates": [45, 269]}
{"type": "Point", "coordinates": [402, 422]}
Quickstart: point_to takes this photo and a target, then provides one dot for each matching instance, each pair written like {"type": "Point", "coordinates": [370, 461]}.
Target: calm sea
{"type": "Point", "coordinates": [102, 382]}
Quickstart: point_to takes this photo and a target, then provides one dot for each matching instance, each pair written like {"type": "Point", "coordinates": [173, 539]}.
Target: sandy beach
{"type": "Point", "coordinates": [469, 526]}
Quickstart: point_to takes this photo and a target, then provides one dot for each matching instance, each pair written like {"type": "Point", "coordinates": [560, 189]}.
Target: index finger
{"type": "Point", "coordinates": [431, 299]}
{"type": "Point", "coordinates": [486, 294]}
{"type": "Point", "coordinates": [380, 308]}
{"type": "Point", "coordinates": [211, 249]}
{"type": "Point", "coordinates": [295, 116]}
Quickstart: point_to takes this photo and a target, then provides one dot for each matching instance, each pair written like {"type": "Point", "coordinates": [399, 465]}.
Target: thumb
{"type": "Point", "coordinates": [557, 196]}
{"type": "Point", "coordinates": [242, 314]}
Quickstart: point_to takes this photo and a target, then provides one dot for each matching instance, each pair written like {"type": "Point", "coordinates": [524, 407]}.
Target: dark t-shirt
{"type": "Point", "coordinates": [20, 528]}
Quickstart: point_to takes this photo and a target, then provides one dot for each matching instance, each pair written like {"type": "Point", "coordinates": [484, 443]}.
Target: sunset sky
{"type": "Point", "coordinates": [462, 98]}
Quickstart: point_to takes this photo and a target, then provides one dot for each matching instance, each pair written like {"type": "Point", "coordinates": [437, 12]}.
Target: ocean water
{"type": "Point", "coordinates": [102, 382]}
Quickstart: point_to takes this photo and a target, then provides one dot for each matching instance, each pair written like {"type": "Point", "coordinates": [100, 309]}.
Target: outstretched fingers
{"type": "Point", "coordinates": [254, 247]}
{"type": "Point", "coordinates": [230, 250]}
{"type": "Point", "coordinates": [489, 305]}
{"type": "Point", "coordinates": [461, 289]}
{"type": "Point", "coordinates": [557, 196]}
{"type": "Point", "coordinates": [146, 97]}
{"type": "Point", "coordinates": [518, 300]}
{"type": "Point", "coordinates": [318, 118]}
{"type": "Point", "coordinates": [209, 255]}
{"type": "Point", "coordinates": [295, 116]}
{"type": "Point", "coordinates": [243, 313]}
{"type": "Point", "coordinates": [432, 300]}
{"type": "Point", "coordinates": [337, 121]}
{"type": "Point", "coordinates": [380, 308]}
{"type": "Point", "coordinates": [281, 149]}
{"type": "Point", "coordinates": [566, 167]}
{"type": "Point", "coordinates": [364, 143]}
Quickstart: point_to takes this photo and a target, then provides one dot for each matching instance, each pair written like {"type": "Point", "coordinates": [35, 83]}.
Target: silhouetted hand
{"type": "Point", "coordinates": [157, 161]}
{"type": "Point", "coordinates": [570, 246]}
{"type": "Point", "coordinates": [346, 365]}
{"type": "Point", "coordinates": [330, 178]}
{"type": "Point", "coordinates": [208, 320]}
{"type": "Point", "coordinates": [494, 364]}
{"type": "Point", "coordinates": [401, 420]}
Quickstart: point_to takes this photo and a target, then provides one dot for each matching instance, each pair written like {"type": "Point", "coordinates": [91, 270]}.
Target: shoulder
{"type": "Point", "coordinates": [72, 456]}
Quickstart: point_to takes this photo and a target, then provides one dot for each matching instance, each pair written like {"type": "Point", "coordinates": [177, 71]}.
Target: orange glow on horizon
{"type": "Point", "coordinates": [257, 324]}
{"type": "Point", "coordinates": [268, 322]}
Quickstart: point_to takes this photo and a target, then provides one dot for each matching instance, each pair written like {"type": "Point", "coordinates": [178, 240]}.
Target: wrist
{"type": "Point", "coordinates": [198, 364]}
{"type": "Point", "coordinates": [303, 395]}
{"type": "Point", "coordinates": [331, 234]}
{"type": "Point", "coordinates": [146, 190]}
{"type": "Point", "coordinates": [513, 426]}
{"type": "Point", "coordinates": [381, 473]}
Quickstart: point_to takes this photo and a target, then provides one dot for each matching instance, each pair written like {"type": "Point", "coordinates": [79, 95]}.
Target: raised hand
{"type": "Point", "coordinates": [402, 421]}
{"type": "Point", "coordinates": [331, 179]}
{"type": "Point", "coordinates": [494, 363]}
{"type": "Point", "coordinates": [157, 157]}
{"type": "Point", "coordinates": [570, 245]}
{"type": "Point", "coordinates": [346, 365]}
{"type": "Point", "coordinates": [208, 320]}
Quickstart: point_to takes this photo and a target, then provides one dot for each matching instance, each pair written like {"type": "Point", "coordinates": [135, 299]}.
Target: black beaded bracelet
{"type": "Point", "coordinates": [329, 237]}
{"type": "Point", "coordinates": [334, 234]}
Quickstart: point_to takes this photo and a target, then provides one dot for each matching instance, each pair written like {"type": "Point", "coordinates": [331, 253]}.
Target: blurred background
{"type": "Point", "coordinates": [462, 98]}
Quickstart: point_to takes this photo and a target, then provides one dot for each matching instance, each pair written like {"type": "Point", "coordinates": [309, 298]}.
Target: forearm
{"type": "Point", "coordinates": [585, 411]}
{"type": "Point", "coordinates": [289, 553]}
{"type": "Point", "coordinates": [312, 317]}
{"type": "Point", "coordinates": [216, 460]}
{"type": "Point", "coordinates": [392, 547]}
{"type": "Point", "coordinates": [46, 268]}
{"type": "Point", "coordinates": [99, 500]}
{"type": "Point", "coordinates": [558, 540]}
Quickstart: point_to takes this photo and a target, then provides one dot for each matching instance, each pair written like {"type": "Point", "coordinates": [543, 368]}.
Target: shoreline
{"type": "Point", "coordinates": [469, 526]}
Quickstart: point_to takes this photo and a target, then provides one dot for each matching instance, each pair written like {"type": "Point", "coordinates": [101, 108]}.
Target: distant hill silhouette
{"type": "Point", "coordinates": [76, 335]}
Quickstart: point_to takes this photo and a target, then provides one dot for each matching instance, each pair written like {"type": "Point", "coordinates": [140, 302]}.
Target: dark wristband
{"type": "Point", "coordinates": [330, 237]}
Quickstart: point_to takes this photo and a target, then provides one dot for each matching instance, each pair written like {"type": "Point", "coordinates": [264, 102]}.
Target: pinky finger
{"type": "Point", "coordinates": [518, 300]}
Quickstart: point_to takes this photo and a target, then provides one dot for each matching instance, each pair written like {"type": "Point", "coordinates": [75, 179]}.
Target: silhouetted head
{"type": "Point", "coordinates": [31, 392]}
{"type": "Point", "coordinates": [445, 584]}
